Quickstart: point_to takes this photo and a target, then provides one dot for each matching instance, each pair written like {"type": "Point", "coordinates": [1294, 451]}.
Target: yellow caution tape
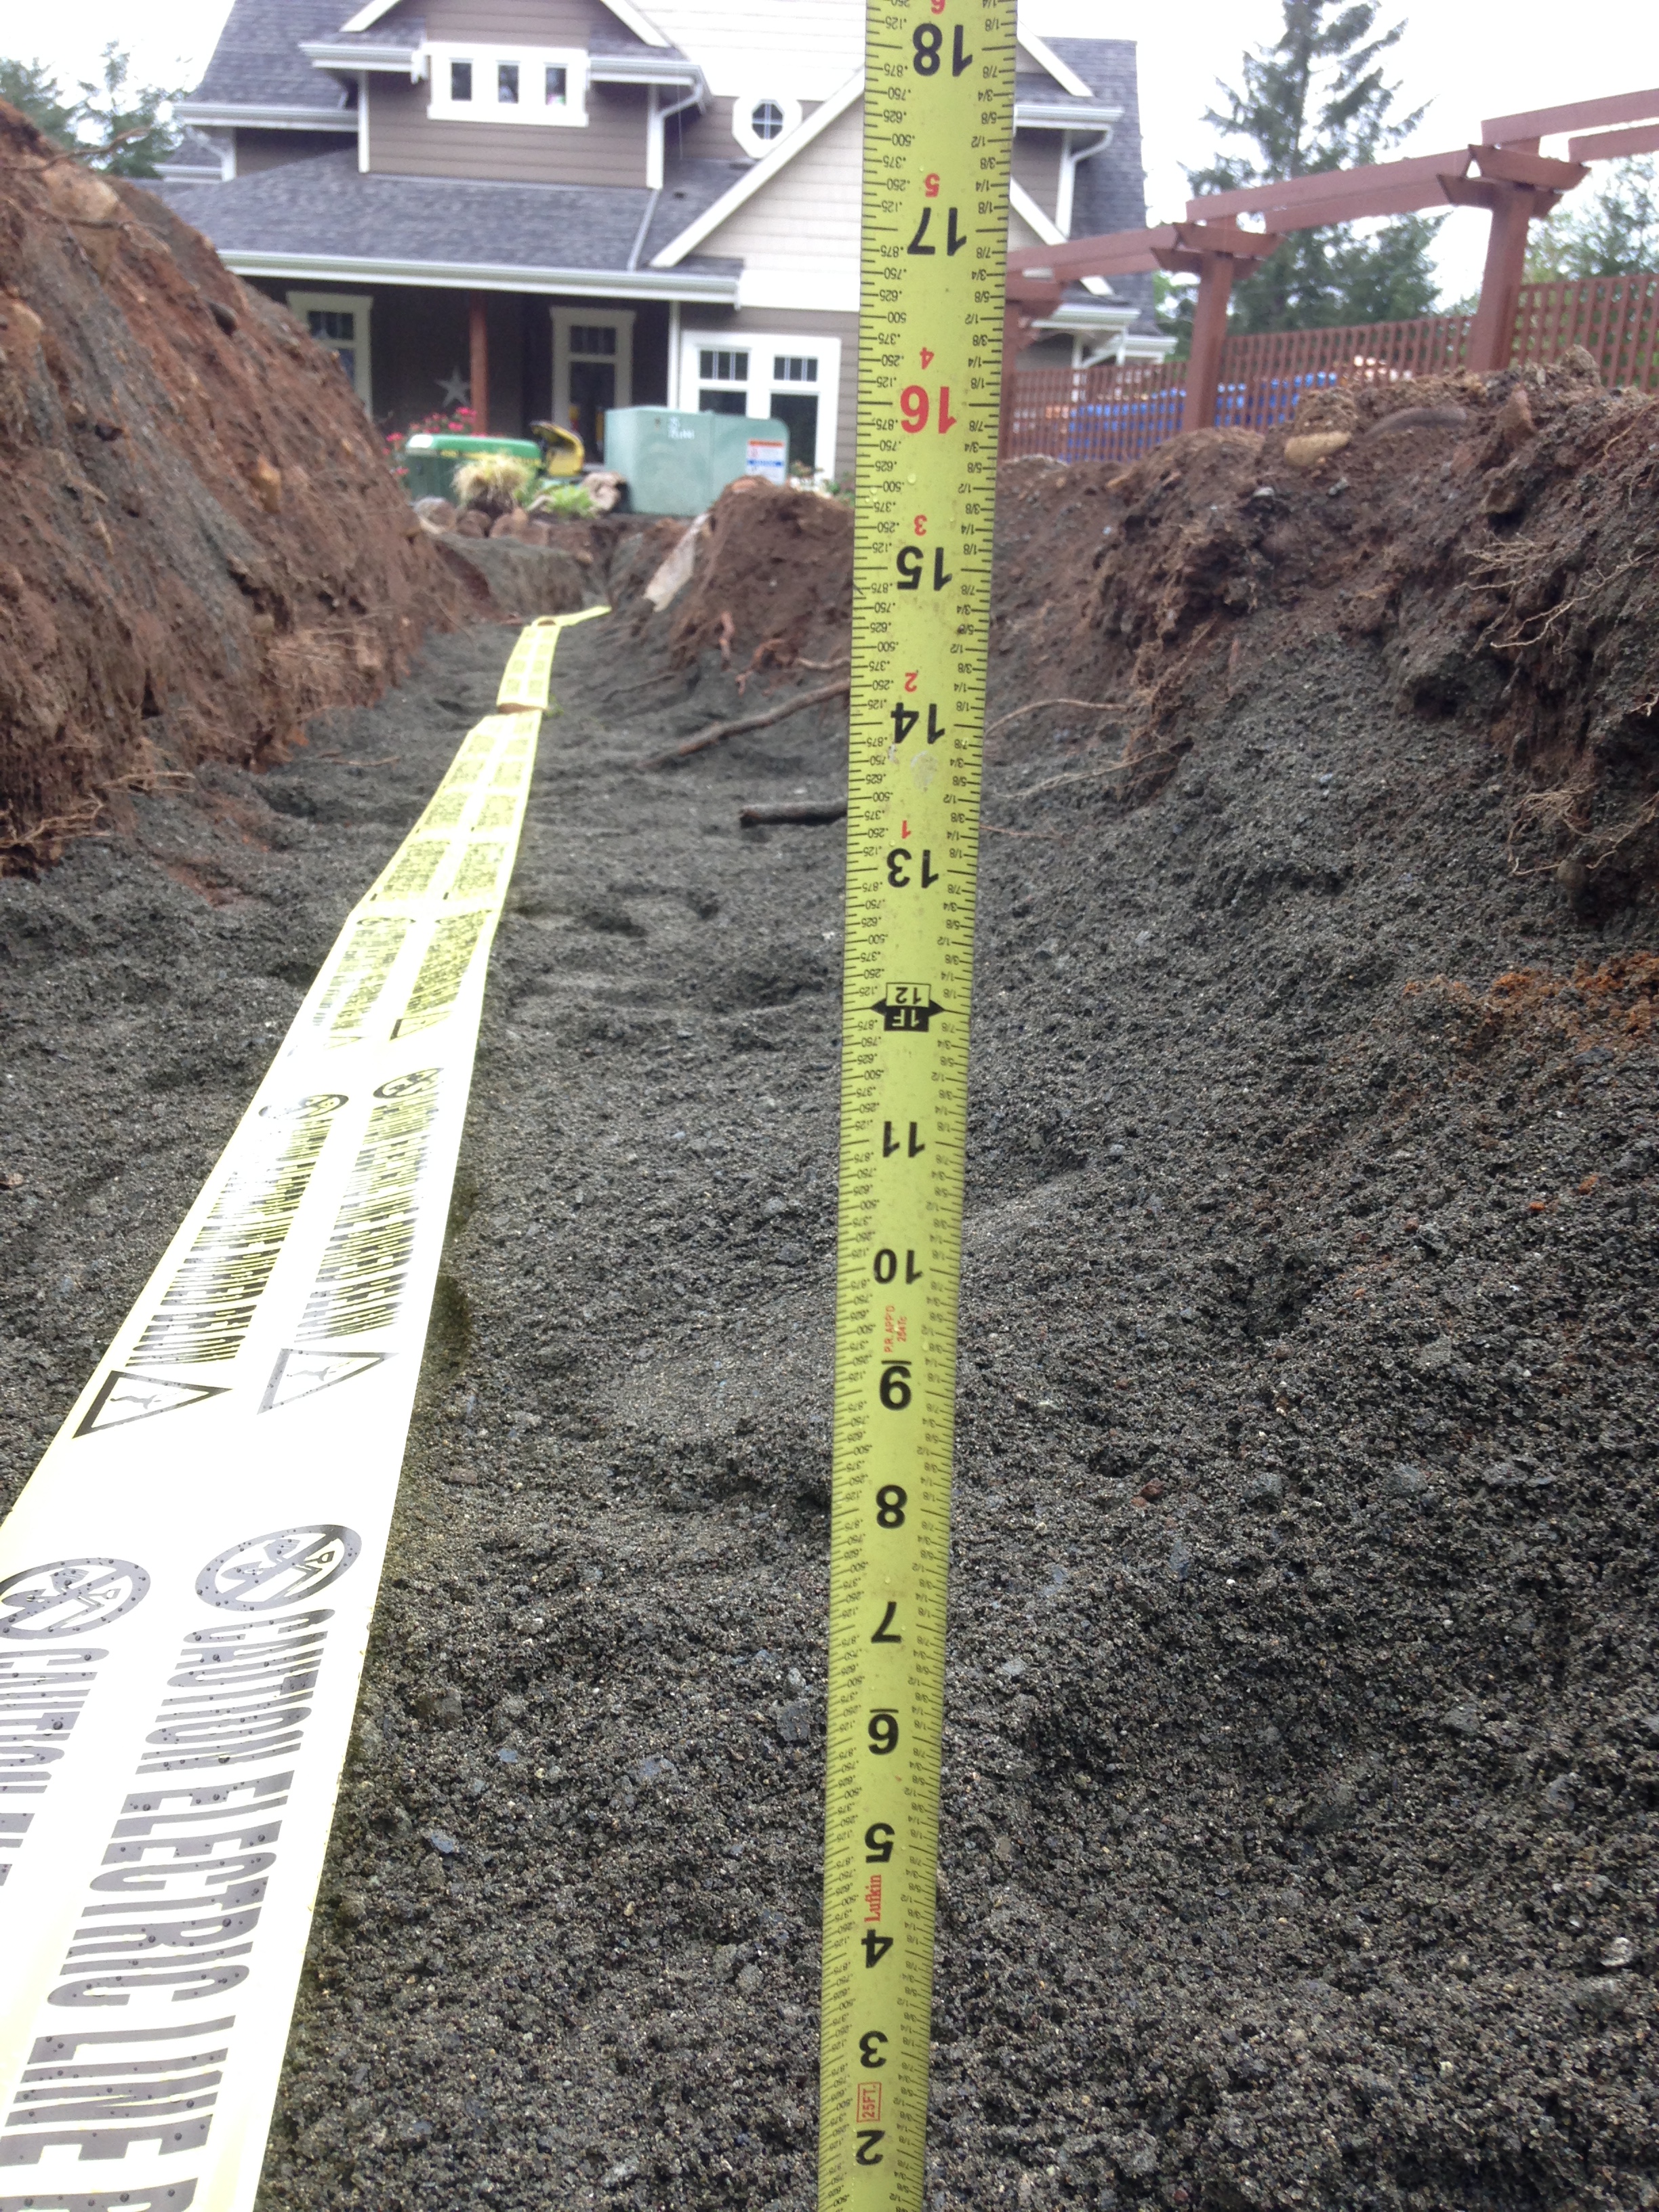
{"type": "Point", "coordinates": [186, 1583]}
{"type": "Point", "coordinates": [936, 127]}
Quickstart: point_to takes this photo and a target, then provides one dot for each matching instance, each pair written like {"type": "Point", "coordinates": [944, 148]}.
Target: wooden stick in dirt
{"type": "Point", "coordinates": [792, 809]}
{"type": "Point", "coordinates": [713, 735]}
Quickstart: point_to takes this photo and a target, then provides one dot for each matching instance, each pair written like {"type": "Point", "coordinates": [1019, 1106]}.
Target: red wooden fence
{"type": "Point", "coordinates": [1614, 318]}
{"type": "Point", "coordinates": [1113, 413]}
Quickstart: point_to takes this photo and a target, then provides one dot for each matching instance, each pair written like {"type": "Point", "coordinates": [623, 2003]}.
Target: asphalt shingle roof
{"type": "Point", "coordinates": [325, 206]}
{"type": "Point", "coordinates": [258, 62]}
{"type": "Point", "coordinates": [1111, 187]}
{"type": "Point", "coordinates": [195, 153]}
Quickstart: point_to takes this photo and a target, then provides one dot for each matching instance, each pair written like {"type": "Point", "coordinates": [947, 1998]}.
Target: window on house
{"type": "Point", "coordinates": [718, 367]}
{"type": "Point", "coordinates": [591, 341]}
{"type": "Point", "coordinates": [336, 329]}
{"type": "Point", "coordinates": [760, 120]}
{"type": "Point", "coordinates": [770, 374]}
{"type": "Point", "coordinates": [540, 86]}
{"type": "Point", "coordinates": [339, 321]}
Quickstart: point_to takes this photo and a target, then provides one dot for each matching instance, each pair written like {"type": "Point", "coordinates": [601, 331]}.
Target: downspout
{"type": "Point", "coordinates": [363, 122]}
{"type": "Point", "coordinates": [651, 200]}
{"type": "Point", "coordinates": [654, 135]}
{"type": "Point", "coordinates": [1069, 159]}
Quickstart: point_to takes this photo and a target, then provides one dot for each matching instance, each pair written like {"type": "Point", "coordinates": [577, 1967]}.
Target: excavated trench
{"type": "Point", "coordinates": [1301, 1748]}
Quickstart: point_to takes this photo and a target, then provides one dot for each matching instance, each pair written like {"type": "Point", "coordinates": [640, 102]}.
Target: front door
{"type": "Point", "coordinates": [592, 395]}
{"type": "Point", "coordinates": [592, 370]}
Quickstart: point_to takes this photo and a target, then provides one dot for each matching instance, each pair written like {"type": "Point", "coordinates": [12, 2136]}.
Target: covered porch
{"type": "Point", "coordinates": [515, 356]}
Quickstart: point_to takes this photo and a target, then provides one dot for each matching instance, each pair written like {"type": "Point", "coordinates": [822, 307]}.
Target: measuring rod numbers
{"type": "Point", "coordinates": [936, 120]}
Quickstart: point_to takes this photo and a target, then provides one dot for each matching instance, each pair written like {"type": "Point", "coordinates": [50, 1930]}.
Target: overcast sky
{"type": "Point", "coordinates": [1467, 58]}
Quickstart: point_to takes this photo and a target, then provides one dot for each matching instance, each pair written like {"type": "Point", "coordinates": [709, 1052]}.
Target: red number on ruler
{"type": "Point", "coordinates": [915, 406]}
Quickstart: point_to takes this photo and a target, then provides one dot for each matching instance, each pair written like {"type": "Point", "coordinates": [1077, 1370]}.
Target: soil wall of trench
{"type": "Point", "coordinates": [1302, 1742]}
{"type": "Point", "coordinates": [204, 544]}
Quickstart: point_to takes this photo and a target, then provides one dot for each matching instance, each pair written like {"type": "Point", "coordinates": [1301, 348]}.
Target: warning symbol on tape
{"type": "Point", "coordinates": [125, 1397]}
{"type": "Point", "coordinates": [69, 1597]}
{"type": "Point", "coordinates": [285, 1567]}
{"type": "Point", "coordinates": [302, 1374]}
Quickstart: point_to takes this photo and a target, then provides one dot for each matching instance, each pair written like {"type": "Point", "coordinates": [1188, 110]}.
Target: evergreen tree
{"type": "Point", "coordinates": [30, 87]}
{"type": "Point", "coordinates": [120, 128]}
{"type": "Point", "coordinates": [1319, 99]}
{"type": "Point", "coordinates": [123, 129]}
{"type": "Point", "coordinates": [1612, 233]}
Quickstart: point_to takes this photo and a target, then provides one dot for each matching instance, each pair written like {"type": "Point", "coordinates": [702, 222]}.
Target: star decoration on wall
{"type": "Point", "coordinates": [456, 389]}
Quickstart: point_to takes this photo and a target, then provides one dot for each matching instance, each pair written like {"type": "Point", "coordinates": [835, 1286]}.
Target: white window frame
{"type": "Point", "coordinates": [567, 319]}
{"type": "Point", "coordinates": [485, 107]}
{"type": "Point", "coordinates": [300, 305]}
{"type": "Point", "coordinates": [743, 129]}
{"type": "Point", "coordinates": [762, 347]}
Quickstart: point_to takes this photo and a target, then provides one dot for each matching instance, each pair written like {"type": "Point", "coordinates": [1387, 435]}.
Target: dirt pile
{"type": "Point", "coordinates": [771, 586]}
{"type": "Point", "coordinates": [204, 544]}
{"type": "Point", "coordinates": [1492, 538]}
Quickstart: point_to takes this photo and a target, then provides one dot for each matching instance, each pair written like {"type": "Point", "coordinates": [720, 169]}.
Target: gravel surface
{"type": "Point", "coordinates": [1302, 1737]}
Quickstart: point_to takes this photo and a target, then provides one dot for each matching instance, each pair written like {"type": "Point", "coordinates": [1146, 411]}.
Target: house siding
{"type": "Point", "coordinates": [806, 49]}
{"type": "Point", "coordinates": [403, 140]}
{"type": "Point", "coordinates": [1036, 167]}
{"type": "Point", "coordinates": [503, 22]}
{"type": "Point", "coordinates": [798, 237]}
{"type": "Point", "coordinates": [708, 137]}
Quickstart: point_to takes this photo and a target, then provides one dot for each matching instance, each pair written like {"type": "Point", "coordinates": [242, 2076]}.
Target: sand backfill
{"type": "Point", "coordinates": [204, 544]}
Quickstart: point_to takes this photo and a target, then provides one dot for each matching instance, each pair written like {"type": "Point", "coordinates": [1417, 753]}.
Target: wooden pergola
{"type": "Point", "coordinates": [1506, 174]}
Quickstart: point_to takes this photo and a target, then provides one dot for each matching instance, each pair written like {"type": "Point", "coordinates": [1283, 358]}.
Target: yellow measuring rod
{"type": "Point", "coordinates": [936, 124]}
{"type": "Point", "coordinates": [187, 1582]}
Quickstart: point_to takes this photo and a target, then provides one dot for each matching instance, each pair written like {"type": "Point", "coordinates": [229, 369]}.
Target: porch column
{"type": "Point", "coordinates": [477, 332]}
{"type": "Point", "coordinates": [1491, 334]}
{"type": "Point", "coordinates": [1215, 284]}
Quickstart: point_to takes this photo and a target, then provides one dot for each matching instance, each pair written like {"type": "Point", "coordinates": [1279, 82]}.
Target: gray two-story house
{"type": "Point", "coordinates": [605, 206]}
